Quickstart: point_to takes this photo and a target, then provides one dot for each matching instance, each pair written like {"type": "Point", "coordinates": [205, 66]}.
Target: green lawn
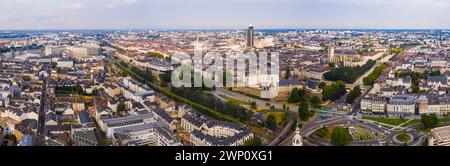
{"type": "Point", "coordinates": [325, 132]}
{"type": "Point", "coordinates": [412, 122]}
{"type": "Point", "coordinates": [281, 118]}
{"type": "Point", "coordinates": [403, 137]}
{"type": "Point", "coordinates": [444, 120]}
{"type": "Point", "coordinates": [419, 121]}
{"type": "Point", "coordinates": [390, 121]}
{"type": "Point", "coordinates": [235, 101]}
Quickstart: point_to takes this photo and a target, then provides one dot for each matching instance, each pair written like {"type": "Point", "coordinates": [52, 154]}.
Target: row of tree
{"type": "Point", "coordinates": [370, 79]}
{"type": "Point", "coordinates": [5, 49]}
{"type": "Point", "coordinates": [297, 95]}
{"type": "Point", "coordinates": [348, 74]}
{"type": "Point", "coordinates": [76, 89]}
{"type": "Point", "coordinates": [147, 75]}
{"type": "Point", "coordinates": [353, 94]}
{"type": "Point", "coordinates": [303, 111]}
{"type": "Point", "coordinates": [156, 54]}
{"type": "Point", "coordinates": [396, 50]}
{"type": "Point", "coordinates": [210, 101]}
{"type": "Point", "coordinates": [429, 121]}
{"type": "Point", "coordinates": [271, 122]}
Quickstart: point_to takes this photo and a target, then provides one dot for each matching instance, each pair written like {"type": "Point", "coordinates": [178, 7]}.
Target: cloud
{"type": "Point", "coordinates": [398, 3]}
{"type": "Point", "coordinates": [116, 3]}
{"type": "Point", "coordinates": [75, 6]}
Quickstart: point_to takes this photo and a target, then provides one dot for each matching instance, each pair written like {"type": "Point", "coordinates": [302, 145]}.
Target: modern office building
{"type": "Point", "coordinates": [250, 36]}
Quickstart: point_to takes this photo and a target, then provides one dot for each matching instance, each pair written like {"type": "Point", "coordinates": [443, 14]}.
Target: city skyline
{"type": "Point", "coordinates": [221, 14]}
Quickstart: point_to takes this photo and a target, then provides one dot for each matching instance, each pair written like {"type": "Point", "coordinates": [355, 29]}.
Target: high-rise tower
{"type": "Point", "coordinates": [250, 36]}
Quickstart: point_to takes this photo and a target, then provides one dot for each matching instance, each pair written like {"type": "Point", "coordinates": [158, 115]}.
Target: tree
{"type": "Point", "coordinates": [322, 85]}
{"type": "Point", "coordinates": [253, 105]}
{"type": "Point", "coordinates": [396, 50]}
{"type": "Point", "coordinates": [124, 74]}
{"type": "Point", "coordinates": [256, 141]}
{"type": "Point", "coordinates": [78, 89]}
{"type": "Point", "coordinates": [353, 94]}
{"type": "Point", "coordinates": [435, 73]}
{"type": "Point", "coordinates": [210, 101]}
{"type": "Point", "coordinates": [294, 97]}
{"type": "Point", "coordinates": [297, 95]}
{"type": "Point", "coordinates": [104, 142]}
{"type": "Point", "coordinates": [288, 73]}
{"type": "Point", "coordinates": [429, 121]}
{"type": "Point", "coordinates": [121, 107]}
{"type": "Point", "coordinates": [124, 64]}
{"type": "Point", "coordinates": [271, 122]}
{"type": "Point", "coordinates": [302, 94]}
{"type": "Point", "coordinates": [340, 136]}
{"type": "Point", "coordinates": [5, 49]}
{"type": "Point", "coordinates": [156, 54]}
{"type": "Point", "coordinates": [370, 79]}
{"type": "Point", "coordinates": [11, 137]}
{"type": "Point", "coordinates": [415, 89]}
{"type": "Point", "coordinates": [166, 77]}
{"type": "Point", "coordinates": [303, 111]}
{"type": "Point", "coordinates": [315, 101]}
{"type": "Point", "coordinates": [26, 78]}
{"type": "Point", "coordinates": [334, 91]}
{"type": "Point", "coordinates": [97, 91]}
{"type": "Point", "coordinates": [348, 74]}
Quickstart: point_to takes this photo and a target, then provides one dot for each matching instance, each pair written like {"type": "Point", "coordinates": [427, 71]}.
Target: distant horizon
{"type": "Point", "coordinates": [214, 29]}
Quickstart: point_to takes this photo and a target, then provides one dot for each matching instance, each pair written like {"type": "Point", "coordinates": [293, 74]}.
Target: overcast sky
{"type": "Point", "coordinates": [218, 14]}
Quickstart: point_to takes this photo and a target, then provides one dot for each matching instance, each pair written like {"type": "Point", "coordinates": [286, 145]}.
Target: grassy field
{"type": "Point", "coordinates": [260, 109]}
{"type": "Point", "coordinates": [361, 134]}
{"type": "Point", "coordinates": [325, 132]}
{"type": "Point", "coordinates": [444, 120]}
{"type": "Point", "coordinates": [412, 122]}
{"type": "Point", "coordinates": [235, 101]}
{"type": "Point", "coordinates": [419, 121]}
{"type": "Point", "coordinates": [390, 121]}
{"type": "Point", "coordinates": [403, 137]}
{"type": "Point", "coordinates": [281, 118]}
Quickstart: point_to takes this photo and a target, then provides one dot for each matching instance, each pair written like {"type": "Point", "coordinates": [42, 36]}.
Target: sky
{"type": "Point", "coordinates": [224, 14]}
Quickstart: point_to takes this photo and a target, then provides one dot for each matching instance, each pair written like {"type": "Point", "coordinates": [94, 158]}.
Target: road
{"type": "Point", "coordinates": [357, 106]}
{"type": "Point", "coordinates": [286, 129]}
{"type": "Point", "coordinates": [42, 108]}
{"type": "Point", "coordinates": [388, 135]}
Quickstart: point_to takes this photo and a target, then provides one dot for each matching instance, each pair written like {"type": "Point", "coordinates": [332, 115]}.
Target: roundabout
{"type": "Point", "coordinates": [363, 133]}
{"type": "Point", "coordinates": [403, 138]}
{"type": "Point", "coordinates": [356, 133]}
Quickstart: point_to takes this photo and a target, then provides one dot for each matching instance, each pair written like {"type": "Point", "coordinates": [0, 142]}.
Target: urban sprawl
{"type": "Point", "coordinates": [335, 88]}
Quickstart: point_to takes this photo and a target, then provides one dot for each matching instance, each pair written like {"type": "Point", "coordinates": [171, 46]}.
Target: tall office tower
{"type": "Point", "coordinates": [250, 37]}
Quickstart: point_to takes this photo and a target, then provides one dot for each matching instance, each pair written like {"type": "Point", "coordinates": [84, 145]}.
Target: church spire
{"type": "Point", "coordinates": [297, 140]}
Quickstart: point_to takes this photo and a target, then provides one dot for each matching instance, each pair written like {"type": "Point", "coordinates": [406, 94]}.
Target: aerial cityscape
{"type": "Point", "coordinates": [67, 78]}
